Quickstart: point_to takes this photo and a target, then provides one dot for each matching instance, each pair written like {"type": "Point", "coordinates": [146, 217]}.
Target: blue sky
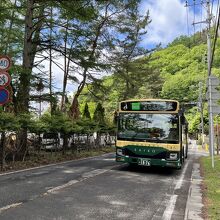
{"type": "Point", "coordinates": [169, 19]}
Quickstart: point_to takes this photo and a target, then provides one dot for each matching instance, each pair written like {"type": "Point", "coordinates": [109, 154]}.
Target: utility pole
{"type": "Point", "coordinates": [201, 112]}
{"type": "Point", "coordinates": [211, 124]}
{"type": "Point", "coordinates": [209, 49]}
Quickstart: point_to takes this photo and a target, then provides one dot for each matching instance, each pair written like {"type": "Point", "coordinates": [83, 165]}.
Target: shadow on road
{"type": "Point", "coordinates": [164, 171]}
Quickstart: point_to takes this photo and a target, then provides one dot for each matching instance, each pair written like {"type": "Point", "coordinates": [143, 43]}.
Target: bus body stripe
{"type": "Point", "coordinates": [173, 147]}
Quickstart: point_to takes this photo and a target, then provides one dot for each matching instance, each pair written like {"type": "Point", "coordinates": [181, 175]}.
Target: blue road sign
{"type": "Point", "coordinates": [4, 96]}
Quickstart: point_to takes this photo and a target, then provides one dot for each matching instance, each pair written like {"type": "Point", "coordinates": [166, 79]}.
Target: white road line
{"type": "Point", "coordinates": [170, 208]}
{"type": "Point", "coordinates": [9, 206]}
{"type": "Point", "coordinates": [180, 180]}
{"type": "Point", "coordinates": [55, 189]}
{"type": "Point", "coordinates": [84, 176]}
{"type": "Point", "coordinates": [53, 164]}
{"type": "Point", "coordinates": [172, 202]}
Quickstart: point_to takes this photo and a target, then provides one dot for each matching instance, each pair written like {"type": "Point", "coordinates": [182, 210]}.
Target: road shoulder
{"type": "Point", "coordinates": [194, 203]}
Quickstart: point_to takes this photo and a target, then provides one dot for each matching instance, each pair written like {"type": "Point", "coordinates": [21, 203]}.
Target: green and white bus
{"type": "Point", "coordinates": [151, 132]}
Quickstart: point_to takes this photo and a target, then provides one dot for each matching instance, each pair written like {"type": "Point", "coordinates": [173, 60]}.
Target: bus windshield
{"type": "Point", "coordinates": [159, 128]}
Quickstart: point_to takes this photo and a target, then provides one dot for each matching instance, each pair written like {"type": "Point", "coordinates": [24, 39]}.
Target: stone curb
{"type": "Point", "coordinates": [194, 202]}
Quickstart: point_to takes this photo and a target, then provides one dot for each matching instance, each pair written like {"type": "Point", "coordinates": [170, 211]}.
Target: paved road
{"type": "Point", "coordinates": [96, 188]}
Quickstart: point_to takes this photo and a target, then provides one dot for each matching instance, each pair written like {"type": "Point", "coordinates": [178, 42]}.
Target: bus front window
{"type": "Point", "coordinates": [161, 128]}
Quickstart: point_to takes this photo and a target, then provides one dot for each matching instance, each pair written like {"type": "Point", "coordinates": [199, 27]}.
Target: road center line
{"type": "Point", "coordinates": [83, 177]}
{"type": "Point", "coordinates": [9, 206]}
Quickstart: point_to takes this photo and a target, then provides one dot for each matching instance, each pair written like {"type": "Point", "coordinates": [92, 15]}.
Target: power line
{"type": "Point", "coordinates": [194, 28]}
{"type": "Point", "coordinates": [216, 11]}
{"type": "Point", "coordinates": [212, 6]}
{"type": "Point", "coordinates": [215, 38]}
{"type": "Point", "coordinates": [201, 20]}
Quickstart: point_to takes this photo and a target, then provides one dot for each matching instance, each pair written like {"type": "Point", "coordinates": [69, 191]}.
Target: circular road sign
{"type": "Point", "coordinates": [5, 79]}
{"type": "Point", "coordinates": [5, 63]}
{"type": "Point", "coordinates": [4, 96]}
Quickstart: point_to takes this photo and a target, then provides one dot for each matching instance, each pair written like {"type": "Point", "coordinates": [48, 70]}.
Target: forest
{"type": "Point", "coordinates": [96, 47]}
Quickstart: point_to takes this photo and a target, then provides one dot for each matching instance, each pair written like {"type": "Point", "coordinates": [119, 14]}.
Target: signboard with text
{"type": "Point", "coordinates": [5, 63]}
{"type": "Point", "coordinates": [5, 79]}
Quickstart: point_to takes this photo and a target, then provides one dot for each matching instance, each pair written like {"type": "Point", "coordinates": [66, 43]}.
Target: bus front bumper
{"type": "Point", "coordinates": [149, 161]}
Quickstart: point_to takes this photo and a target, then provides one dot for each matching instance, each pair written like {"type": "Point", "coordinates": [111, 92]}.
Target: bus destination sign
{"type": "Point", "coordinates": [149, 106]}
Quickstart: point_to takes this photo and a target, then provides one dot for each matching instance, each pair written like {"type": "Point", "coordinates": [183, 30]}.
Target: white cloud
{"type": "Point", "coordinates": [57, 74]}
{"type": "Point", "coordinates": [169, 20]}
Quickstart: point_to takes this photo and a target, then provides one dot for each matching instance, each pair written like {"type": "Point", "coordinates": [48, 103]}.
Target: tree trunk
{"type": "Point", "coordinates": [65, 76]}
{"type": "Point", "coordinates": [2, 150]}
{"type": "Point", "coordinates": [94, 45]}
{"type": "Point", "coordinates": [32, 35]}
{"type": "Point", "coordinates": [50, 62]}
{"type": "Point", "coordinates": [65, 143]}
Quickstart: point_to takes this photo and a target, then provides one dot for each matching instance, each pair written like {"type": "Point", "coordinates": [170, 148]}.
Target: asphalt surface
{"type": "Point", "coordinates": [96, 188]}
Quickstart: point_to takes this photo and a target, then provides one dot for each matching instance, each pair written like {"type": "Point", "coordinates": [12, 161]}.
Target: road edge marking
{"type": "Point", "coordinates": [53, 164]}
{"type": "Point", "coordinates": [172, 201]}
{"type": "Point", "coordinates": [10, 206]}
{"type": "Point", "coordinates": [180, 180]}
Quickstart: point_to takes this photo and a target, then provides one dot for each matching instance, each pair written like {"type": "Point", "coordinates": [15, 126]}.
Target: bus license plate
{"type": "Point", "coordinates": [144, 162]}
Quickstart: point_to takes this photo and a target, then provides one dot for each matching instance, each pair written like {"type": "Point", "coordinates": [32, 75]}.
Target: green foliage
{"type": "Point", "coordinates": [194, 118]}
{"type": "Point", "coordinates": [99, 115]}
{"type": "Point", "coordinates": [195, 40]}
{"type": "Point", "coordinates": [212, 183]}
{"type": "Point", "coordinates": [86, 113]}
{"type": "Point", "coordinates": [58, 122]}
{"type": "Point", "coordinates": [173, 72]}
{"type": "Point", "coordinates": [8, 122]}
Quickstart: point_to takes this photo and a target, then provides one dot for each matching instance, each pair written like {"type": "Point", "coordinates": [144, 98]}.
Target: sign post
{"type": "Point", "coordinates": [5, 79]}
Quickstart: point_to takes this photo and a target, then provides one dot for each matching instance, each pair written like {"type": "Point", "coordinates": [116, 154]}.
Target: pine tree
{"type": "Point", "coordinates": [99, 114]}
{"type": "Point", "coordinates": [86, 113]}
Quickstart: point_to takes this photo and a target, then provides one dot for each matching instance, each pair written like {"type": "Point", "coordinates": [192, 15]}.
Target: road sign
{"type": "Point", "coordinates": [213, 94]}
{"type": "Point", "coordinates": [5, 63]}
{"type": "Point", "coordinates": [5, 79]}
{"type": "Point", "coordinates": [4, 96]}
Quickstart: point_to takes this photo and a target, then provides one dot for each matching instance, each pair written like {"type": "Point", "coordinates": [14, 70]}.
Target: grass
{"type": "Point", "coordinates": [211, 187]}
{"type": "Point", "coordinates": [43, 158]}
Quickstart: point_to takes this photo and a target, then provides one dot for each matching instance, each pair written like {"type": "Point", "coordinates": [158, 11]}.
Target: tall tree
{"type": "Point", "coordinates": [86, 113]}
{"type": "Point", "coordinates": [132, 30]}
{"type": "Point", "coordinates": [99, 114]}
{"type": "Point", "coordinates": [33, 22]}
{"type": "Point", "coordinates": [100, 36]}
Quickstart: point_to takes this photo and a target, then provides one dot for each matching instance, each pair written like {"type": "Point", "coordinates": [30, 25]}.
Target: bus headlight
{"type": "Point", "coordinates": [119, 152]}
{"type": "Point", "coordinates": [173, 156]}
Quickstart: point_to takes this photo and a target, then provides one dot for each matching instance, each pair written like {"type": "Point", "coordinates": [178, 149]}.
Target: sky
{"type": "Point", "coordinates": [169, 19]}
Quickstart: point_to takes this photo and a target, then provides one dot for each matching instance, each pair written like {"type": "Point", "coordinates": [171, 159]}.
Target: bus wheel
{"type": "Point", "coordinates": [179, 168]}
{"type": "Point", "coordinates": [132, 165]}
{"type": "Point", "coordinates": [186, 152]}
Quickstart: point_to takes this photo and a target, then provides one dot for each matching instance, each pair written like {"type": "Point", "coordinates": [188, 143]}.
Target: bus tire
{"type": "Point", "coordinates": [132, 165]}
{"type": "Point", "coordinates": [186, 155]}
{"type": "Point", "coordinates": [182, 156]}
